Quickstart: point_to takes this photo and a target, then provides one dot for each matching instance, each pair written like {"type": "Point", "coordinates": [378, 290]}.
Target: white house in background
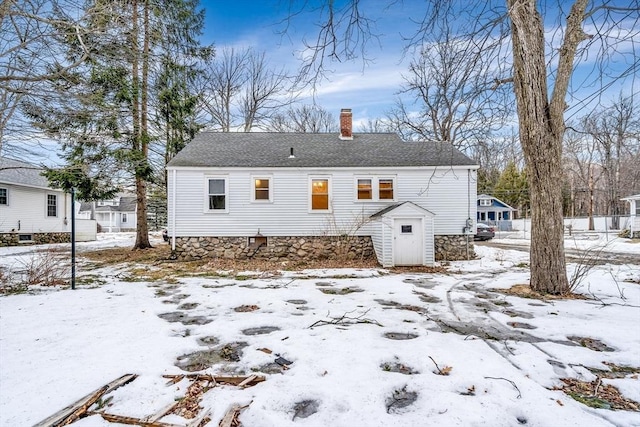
{"type": "Point", "coordinates": [633, 223]}
{"type": "Point", "coordinates": [117, 214]}
{"type": "Point", "coordinates": [30, 210]}
{"type": "Point", "coordinates": [303, 196]}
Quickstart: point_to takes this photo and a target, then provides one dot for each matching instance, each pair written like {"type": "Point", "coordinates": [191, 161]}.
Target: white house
{"type": "Point", "coordinates": [31, 211]}
{"type": "Point", "coordinates": [633, 223]}
{"type": "Point", "coordinates": [303, 196]}
{"type": "Point", "coordinates": [117, 214]}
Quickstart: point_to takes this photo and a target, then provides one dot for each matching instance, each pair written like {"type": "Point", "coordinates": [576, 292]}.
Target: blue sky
{"type": "Point", "coordinates": [368, 90]}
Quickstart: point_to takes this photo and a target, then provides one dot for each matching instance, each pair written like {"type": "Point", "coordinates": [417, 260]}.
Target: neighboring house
{"type": "Point", "coordinates": [494, 211]}
{"type": "Point", "coordinates": [633, 223]}
{"type": "Point", "coordinates": [314, 196]}
{"type": "Point", "coordinates": [117, 214]}
{"type": "Point", "coordinates": [30, 210]}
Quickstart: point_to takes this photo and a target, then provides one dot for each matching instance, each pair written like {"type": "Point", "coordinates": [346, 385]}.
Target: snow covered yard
{"type": "Point", "coordinates": [366, 347]}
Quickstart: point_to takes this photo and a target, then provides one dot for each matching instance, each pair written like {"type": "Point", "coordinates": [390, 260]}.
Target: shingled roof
{"type": "Point", "coordinates": [21, 173]}
{"type": "Point", "coordinates": [125, 204]}
{"type": "Point", "coordinates": [272, 149]}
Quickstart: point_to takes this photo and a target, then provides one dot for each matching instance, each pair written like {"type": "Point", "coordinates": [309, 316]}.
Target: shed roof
{"type": "Point", "coordinates": [273, 149]}
{"type": "Point", "coordinates": [21, 173]}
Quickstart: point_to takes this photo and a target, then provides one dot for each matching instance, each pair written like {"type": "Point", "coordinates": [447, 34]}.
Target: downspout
{"type": "Point", "coordinates": [173, 211]}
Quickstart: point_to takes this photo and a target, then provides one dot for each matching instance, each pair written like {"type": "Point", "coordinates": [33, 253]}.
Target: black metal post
{"type": "Point", "coordinates": [73, 238]}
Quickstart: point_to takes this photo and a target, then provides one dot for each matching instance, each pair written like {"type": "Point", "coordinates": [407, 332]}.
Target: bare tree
{"type": "Point", "coordinates": [452, 89]}
{"type": "Point", "coordinates": [541, 76]}
{"type": "Point", "coordinates": [582, 170]}
{"type": "Point", "coordinates": [616, 133]}
{"type": "Point", "coordinates": [241, 90]}
{"type": "Point", "coordinates": [303, 118]}
{"type": "Point", "coordinates": [265, 92]}
{"type": "Point", "coordinates": [222, 85]}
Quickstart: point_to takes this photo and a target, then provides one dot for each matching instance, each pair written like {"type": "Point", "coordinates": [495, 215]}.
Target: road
{"type": "Point", "coordinates": [604, 257]}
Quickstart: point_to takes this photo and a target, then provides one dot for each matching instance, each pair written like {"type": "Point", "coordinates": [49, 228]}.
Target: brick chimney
{"type": "Point", "coordinates": [346, 124]}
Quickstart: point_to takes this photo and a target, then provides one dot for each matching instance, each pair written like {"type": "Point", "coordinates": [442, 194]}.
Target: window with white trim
{"type": "Point", "coordinates": [4, 196]}
{"type": "Point", "coordinates": [261, 189]}
{"type": "Point", "coordinates": [217, 194]}
{"type": "Point", "coordinates": [485, 202]}
{"type": "Point", "coordinates": [124, 217]}
{"type": "Point", "coordinates": [320, 194]}
{"type": "Point", "coordinates": [52, 205]}
{"type": "Point", "coordinates": [370, 188]}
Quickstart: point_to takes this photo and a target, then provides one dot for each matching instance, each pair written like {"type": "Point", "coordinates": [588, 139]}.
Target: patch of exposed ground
{"type": "Point", "coordinates": [400, 399]}
{"type": "Point", "coordinates": [305, 408]}
{"type": "Point", "coordinates": [596, 394]}
{"type": "Point", "coordinates": [400, 335]}
{"type": "Point", "coordinates": [615, 371]}
{"type": "Point", "coordinates": [184, 318]}
{"type": "Point", "coordinates": [525, 291]}
{"type": "Point", "coordinates": [262, 330]}
{"type": "Point", "coordinates": [205, 359]}
{"type": "Point", "coordinates": [246, 308]}
{"type": "Point", "coordinates": [590, 343]}
{"type": "Point", "coordinates": [396, 366]}
{"type": "Point", "coordinates": [341, 291]}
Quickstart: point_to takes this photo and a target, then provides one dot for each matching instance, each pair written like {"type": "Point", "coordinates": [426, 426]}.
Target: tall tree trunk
{"type": "Point", "coordinates": [541, 130]}
{"type": "Point", "coordinates": [142, 227]}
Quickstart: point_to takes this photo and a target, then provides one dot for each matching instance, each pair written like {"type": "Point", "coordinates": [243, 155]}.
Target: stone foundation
{"type": "Point", "coordinates": [276, 248]}
{"type": "Point", "coordinates": [13, 239]}
{"type": "Point", "coordinates": [453, 248]}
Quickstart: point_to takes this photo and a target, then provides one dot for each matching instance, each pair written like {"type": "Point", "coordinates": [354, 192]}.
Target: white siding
{"type": "Point", "coordinates": [445, 191]}
{"type": "Point", "coordinates": [112, 221]}
{"type": "Point", "coordinates": [382, 238]}
{"type": "Point", "coordinates": [28, 208]}
{"type": "Point", "coordinates": [429, 244]}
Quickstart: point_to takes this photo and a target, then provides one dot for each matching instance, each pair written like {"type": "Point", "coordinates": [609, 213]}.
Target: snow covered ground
{"type": "Point", "coordinates": [503, 354]}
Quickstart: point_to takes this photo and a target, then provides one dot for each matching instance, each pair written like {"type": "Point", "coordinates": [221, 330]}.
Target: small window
{"type": "Point", "coordinates": [124, 217]}
{"type": "Point", "coordinates": [406, 229]}
{"type": "Point", "coordinates": [261, 189]}
{"type": "Point", "coordinates": [217, 194]}
{"type": "Point", "coordinates": [365, 189]}
{"type": "Point", "coordinates": [320, 194]}
{"type": "Point", "coordinates": [25, 237]}
{"type": "Point", "coordinates": [485, 202]}
{"type": "Point", "coordinates": [52, 205]}
{"type": "Point", "coordinates": [4, 196]}
{"type": "Point", "coordinates": [385, 189]}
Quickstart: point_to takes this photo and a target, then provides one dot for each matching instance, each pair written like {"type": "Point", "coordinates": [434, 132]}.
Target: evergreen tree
{"type": "Point", "coordinates": [512, 188]}
{"type": "Point", "coordinates": [105, 107]}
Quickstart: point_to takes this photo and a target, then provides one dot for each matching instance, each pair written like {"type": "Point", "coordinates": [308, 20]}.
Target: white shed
{"type": "Point", "coordinates": [402, 234]}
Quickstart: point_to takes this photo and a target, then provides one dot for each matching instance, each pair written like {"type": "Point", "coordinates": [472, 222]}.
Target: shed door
{"type": "Point", "coordinates": [407, 241]}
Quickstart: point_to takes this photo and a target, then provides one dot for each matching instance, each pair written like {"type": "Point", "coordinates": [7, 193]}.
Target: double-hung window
{"type": "Point", "coordinates": [485, 202]}
{"type": "Point", "coordinates": [217, 192]}
{"type": "Point", "coordinates": [124, 217]}
{"type": "Point", "coordinates": [320, 192]}
{"type": "Point", "coordinates": [372, 188]}
{"type": "Point", "coordinates": [385, 189]}
{"type": "Point", "coordinates": [4, 196]}
{"type": "Point", "coordinates": [262, 189]}
{"type": "Point", "coordinates": [365, 188]}
{"type": "Point", "coordinates": [52, 205]}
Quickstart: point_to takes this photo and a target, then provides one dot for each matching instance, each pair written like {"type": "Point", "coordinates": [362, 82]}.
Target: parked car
{"type": "Point", "coordinates": [484, 232]}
